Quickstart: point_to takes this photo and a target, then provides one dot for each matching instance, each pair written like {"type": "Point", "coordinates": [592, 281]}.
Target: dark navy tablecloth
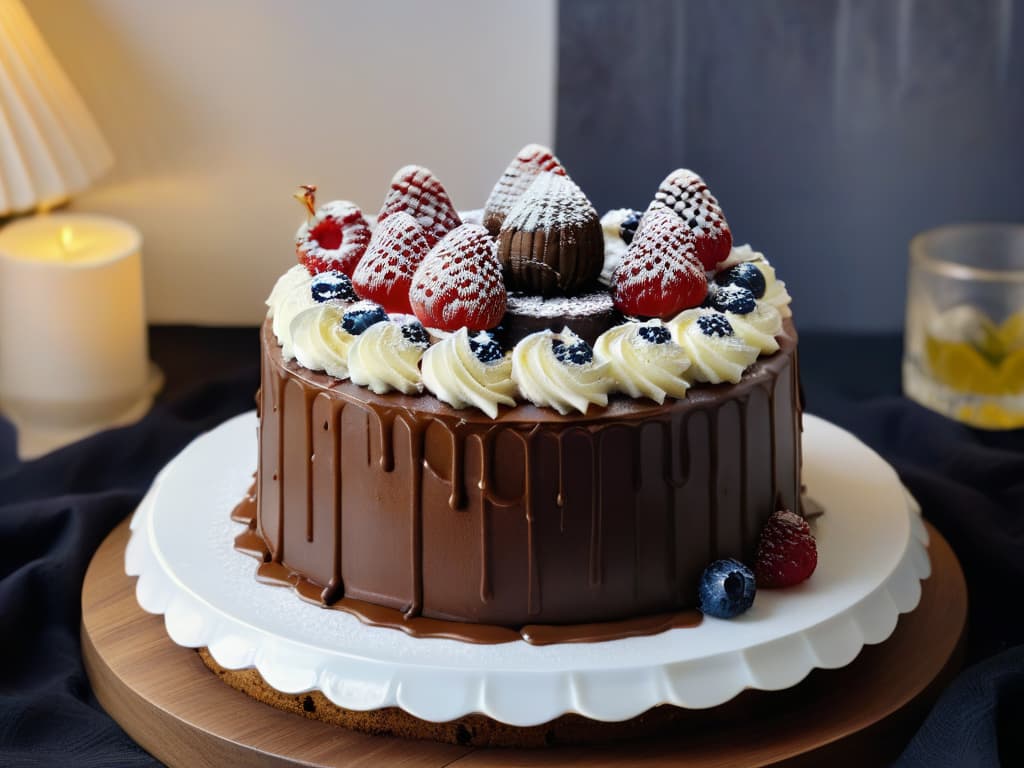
{"type": "Point", "coordinates": [56, 510]}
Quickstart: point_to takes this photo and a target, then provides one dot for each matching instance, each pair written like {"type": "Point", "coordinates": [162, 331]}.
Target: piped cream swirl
{"type": "Point", "coordinates": [715, 357]}
{"type": "Point", "coordinates": [641, 368]}
{"type": "Point", "coordinates": [545, 380]}
{"type": "Point", "coordinates": [382, 359]}
{"type": "Point", "coordinates": [454, 375]}
{"type": "Point", "coordinates": [758, 328]}
{"type": "Point", "coordinates": [290, 295]}
{"type": "Point", "coordinates": [320, 342]}
{"type": "Point", "coordinates": [775, 292]}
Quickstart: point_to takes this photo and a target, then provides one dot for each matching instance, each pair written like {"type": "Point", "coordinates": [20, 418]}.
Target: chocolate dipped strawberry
{"type": "Point", "coordinates": [532, 160]}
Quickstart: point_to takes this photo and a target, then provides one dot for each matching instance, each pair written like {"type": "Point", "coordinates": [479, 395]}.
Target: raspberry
{"type": "Point", "coordinates": [786, 552]}
{"type": "Point", "coordinates": [334, 238]}
{"type": "Point", "coordinates": [660, 274]}
{"type": "Point", "coordinates": [385, 272]}
{"type": "Point", "coordinates": [459, 283]}
{"type": "Point", "coordinates": [532, 160]}
{"type": "Point", "coordinates": [417, 192]}
{"type": "Point", "coordinates": [685, 193]}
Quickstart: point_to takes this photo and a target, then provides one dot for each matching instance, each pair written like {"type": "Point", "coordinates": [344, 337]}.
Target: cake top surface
{"type": "Point", "coordinates": [648, 305]}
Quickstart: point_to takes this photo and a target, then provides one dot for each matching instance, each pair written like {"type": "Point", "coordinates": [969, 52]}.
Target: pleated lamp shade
{"type": "Point", "coordinates": [50, 146]}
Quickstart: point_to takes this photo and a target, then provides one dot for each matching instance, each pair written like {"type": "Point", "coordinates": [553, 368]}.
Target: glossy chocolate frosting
{"type": "Point", "coordinates": [530, 519]}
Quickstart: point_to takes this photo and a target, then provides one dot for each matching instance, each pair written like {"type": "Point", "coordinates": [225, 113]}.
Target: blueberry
{"type": "Point", "coordinates": [362, 316]}
{"type": "Point", "coordinates": [577, 353]}
{"type": "Point", "coordinates": [745, 275]}
{"type": "Point", "coordinates": [734, 298]}
{"type": "Point", "coordinates": [415, 333]}
{"type": "Point", "coordinates": [714, 324]}
{"type": "Point", "coordinates": [628, 226]}
{"type": "Point", "coordinates": [655, 334]}
{"type": "Point", "coordinates": [486, 347]}
{"type": "Point", "coordinates": [726, 590]}
{"type": "Point", "coordinates": [332, 285]}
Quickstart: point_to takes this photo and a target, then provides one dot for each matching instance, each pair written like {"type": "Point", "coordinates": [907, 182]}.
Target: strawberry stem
{"type": "Point", "coordinates": [307, 196]}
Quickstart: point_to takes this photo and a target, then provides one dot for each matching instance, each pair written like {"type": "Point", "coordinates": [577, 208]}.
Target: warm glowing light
{"type": "Point", "coordinates": [67, 238]}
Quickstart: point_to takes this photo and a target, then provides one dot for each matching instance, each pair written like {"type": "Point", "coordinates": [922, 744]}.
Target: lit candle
{"type": "Point", "coordinates": [73, 351]}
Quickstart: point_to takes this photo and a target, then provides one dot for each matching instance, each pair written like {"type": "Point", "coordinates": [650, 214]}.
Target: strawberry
{"type": "Point", "coordinates": [459, 283]}
{"type": "Point", "coordinates": [417, 192]}
{"type": "Point", "coordinates": [532, 160]}
{"type": "Point", "coordinates": [786, 552]}
{"type": "Point", "coordinates": [660, 274]}
{"type": "Point", "coordinates": [688, 195]}
{"type": "Point", "coordinates": [385, 272]}
{"type": "Point", "coordinates": [335, 236]}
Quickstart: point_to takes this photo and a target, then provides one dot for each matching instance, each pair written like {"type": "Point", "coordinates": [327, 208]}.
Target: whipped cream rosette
{"type": "Point", "coordinates": [775, 292]}
{"type": "Point", "coordinates": [290, 295]}
{"type": "Point", "coordinates": [320, 341]}
{"type": "Point", "coordinates": [383, 358]}
{"type": "Point", "coordinates": [716, 352]}
{"type": "Point", "coordinates": [454, 373]}
{"type": "Point", "coordinates": [758, 328]}
{"type": "Point", "coordinates": [643, 360]}
{"type": "Point", "coordinates": [559, 371]}
{"type": "Point", "coordinates": [614, 246]}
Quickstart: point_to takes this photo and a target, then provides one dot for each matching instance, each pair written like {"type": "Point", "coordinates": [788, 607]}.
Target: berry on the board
{"type": "Point", "coordinates": [654, 334]}
{"type": "Point", "coordinates": [686, 193]}
{"type": "Point", "coordinates": [577, 353]}
{"type": "Point", "coordinates": [459, 282]}
{"type": "Point", "coordinates": [660, 274]}
{"type": "Point", "coordinates": [328, 286]}
{"type": "Point", "coordinates": [746, 275]}
{"type": "Point", "coordinates": [786, 552]}
{"type": "Point", "coordinates": [733, 298]}
{"type": "Point", "coordinates": [532, 160]}
{"type": "Point", "coordinates": [385, 272]}
{"type": "Point", "coordinates": [486, 347]}
{"type": "Point", "coordinates": [714, 324]}
{"type": "Point", "coordinates": [727, 589]}
{"type": "Point", "coordinates": [627, 229]}
{"type": "Point", "coordinates": [361, 316]}
{"type": "Point", "coordinates": [414, 332]}
{"type": "Point", "coordinates": [335, 236]}
{"type": "Point", "coordinates": [416, 191]}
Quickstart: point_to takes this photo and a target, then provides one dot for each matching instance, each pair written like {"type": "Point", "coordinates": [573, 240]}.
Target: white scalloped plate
{"type": "Point", "coordinates": [872, 556]}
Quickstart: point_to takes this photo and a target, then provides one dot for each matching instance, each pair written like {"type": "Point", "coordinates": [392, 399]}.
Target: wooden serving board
{"type": "Point", "coordinates": [182, 713]}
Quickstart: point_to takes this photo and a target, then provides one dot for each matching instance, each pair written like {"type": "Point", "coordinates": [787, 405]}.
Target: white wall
{"type": "Point", "coordinates": [217, 109]}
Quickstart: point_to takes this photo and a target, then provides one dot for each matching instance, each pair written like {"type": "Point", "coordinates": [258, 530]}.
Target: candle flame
{"type": "Point", "coordinates": [67, 237]}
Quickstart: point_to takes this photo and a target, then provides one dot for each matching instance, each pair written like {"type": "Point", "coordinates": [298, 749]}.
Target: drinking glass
{"type": "Point", "coordinates": [964, 344]}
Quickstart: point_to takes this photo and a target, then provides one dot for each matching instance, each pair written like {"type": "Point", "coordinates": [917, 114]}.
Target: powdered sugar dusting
{"type": "Point", "coordinates": [533, 159]}
{"type": "Point", "coordinates": [385, 272]}
{"type": "Point", "coordinates": [528, 305]}
{"type": "Point", "coordinates": [341, 224]}
{"type": "Point", "coordinates": [459, 283]}
{"type": "Point", "coordinates": [687, 195]}
{"type": "Point", "coordinates": [415, 190]}
{"type": "Point", "coordinates": [551, 202]}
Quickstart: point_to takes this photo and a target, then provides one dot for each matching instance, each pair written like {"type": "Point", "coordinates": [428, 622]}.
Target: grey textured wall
{"type": "Point", "coordinates": [830, 131]}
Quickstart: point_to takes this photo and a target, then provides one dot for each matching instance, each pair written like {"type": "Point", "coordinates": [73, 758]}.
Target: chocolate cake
{"type": "Point", "coordinates": [485, 470]}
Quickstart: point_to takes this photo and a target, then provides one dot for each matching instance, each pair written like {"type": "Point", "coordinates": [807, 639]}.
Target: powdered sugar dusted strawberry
{"type": "Point", "coordinates": [384, 274]}
{"type": "Point", "coordinates": [786, 552]}
{"type": "Point", "coordinates": [335, 236]}
{"type": "Point", "coordinates": [458, 284]}
{"type": "Point", "coordinates": [660, 275]}
{"type": "Point", "coordinates": [533, 159]}
{"type": "Point", "coordinates": [687, 194]}
{"type": "Point", "coordinates": [416, 191]}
